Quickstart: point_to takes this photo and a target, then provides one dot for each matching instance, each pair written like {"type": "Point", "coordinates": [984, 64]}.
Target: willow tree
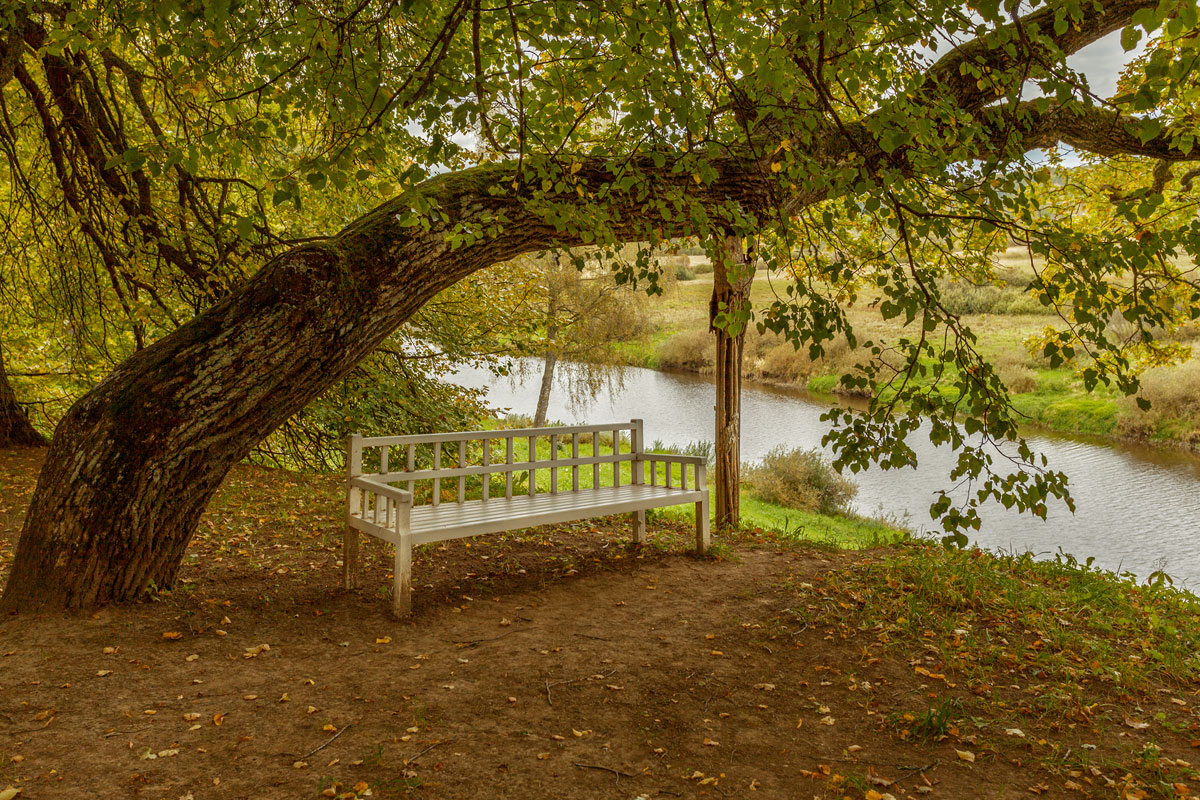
{"type": "Point", "coordinates": [597, 123]}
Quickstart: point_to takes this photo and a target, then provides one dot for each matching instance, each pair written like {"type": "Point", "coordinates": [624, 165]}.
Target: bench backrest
{"type": "Point", "coordinates": [469, 465]}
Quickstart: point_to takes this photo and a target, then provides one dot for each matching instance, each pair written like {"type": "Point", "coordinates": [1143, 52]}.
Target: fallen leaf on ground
{"type": "Point", "coordinates": [172, 635]}
{"type": "Point", "coordinates": [254, 652]}
{"type": "Point", "coordinates": [966, 755]}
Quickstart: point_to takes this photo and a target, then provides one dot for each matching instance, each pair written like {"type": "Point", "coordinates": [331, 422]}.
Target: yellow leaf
{"type": "Point", "coordinates": [329, 727]}
{"type": "Point", "coordinates": [218, 719]}
{"type": "Point", "coordinates": [172, 635]}
{"type": "Point", "coordinates": [966, 755]}
{"type": "Point", "coordinates": [383, 640]}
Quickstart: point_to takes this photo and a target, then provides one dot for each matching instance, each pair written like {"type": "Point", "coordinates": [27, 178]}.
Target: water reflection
{"type": "Point", "coordinates": [1138, 507]}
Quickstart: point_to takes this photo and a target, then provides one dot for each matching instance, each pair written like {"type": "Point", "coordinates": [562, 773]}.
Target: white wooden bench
{"type": "Point", "coordinates": [585, 481]}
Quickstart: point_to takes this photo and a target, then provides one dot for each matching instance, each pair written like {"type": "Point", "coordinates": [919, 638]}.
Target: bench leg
{"type": "Point", "coordinates": [402, 582]}
{"type": "Point", "coordinates": [350, 557]}
{"type": "Point", "coordinates": [638, 518]}
{"type": "Point", "coordinates": [703, 536]}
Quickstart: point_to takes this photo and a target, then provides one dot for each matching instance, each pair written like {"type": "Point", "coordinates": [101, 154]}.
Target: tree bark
{"type": "Point", "coordinates": [733, 276]}
{"type": "Point", "coordinates": [15, 427]}
{"type": "Point", "coordinates": [550, 360]}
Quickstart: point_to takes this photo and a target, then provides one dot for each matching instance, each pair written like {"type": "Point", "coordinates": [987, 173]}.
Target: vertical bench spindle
{"type": "Point", "coordinates": [575, 467]}
{"type": "Point", "coordinates": [487, 462]}
{"type": "Point", "coordinates": [553, 464]}
{"type": "Point", "coordinates": [508, 473]}
{"type": "Point", "coordinates": [437, 464]}
{"type": "Point", "coordinates": [532, 471]}
{"type": "Point", "coordinates": [462, 462]}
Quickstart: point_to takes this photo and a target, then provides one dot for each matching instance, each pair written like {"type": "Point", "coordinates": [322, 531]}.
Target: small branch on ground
{"type": "Point", "coordinates": [602, 768]}
{"type": "Point", "coordinates": [322, 747]}
{"type": "Point", "coordinates": [413, 760]}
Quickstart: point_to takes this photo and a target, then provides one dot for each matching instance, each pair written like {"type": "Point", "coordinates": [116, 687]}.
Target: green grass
{"type": "Point", "coordinates": [1075, 628]}
{"type": "Point", "coordinates": [789, 523]}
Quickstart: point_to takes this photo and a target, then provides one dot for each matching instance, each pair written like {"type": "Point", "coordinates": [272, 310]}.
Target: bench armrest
{"type": "Point", "coordinates": [698, 461]}
{"type": "Point", "coordinates": [381, 489]}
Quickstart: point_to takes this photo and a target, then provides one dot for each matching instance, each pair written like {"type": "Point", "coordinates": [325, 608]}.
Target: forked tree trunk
{"type": "Point", "coordinates": [134, 462]}
{"type": "Point", "coordinates": [15, 427]}
{"type": "Point", "coordinates": [733, 275]}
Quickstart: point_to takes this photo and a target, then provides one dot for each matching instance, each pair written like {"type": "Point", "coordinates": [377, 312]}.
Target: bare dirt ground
{"type": "Point", "coordinates": [553, 663]}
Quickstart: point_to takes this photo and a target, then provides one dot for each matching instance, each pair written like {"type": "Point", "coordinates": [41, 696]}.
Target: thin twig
{"type": "Point", "coordinates": [473, 642]}
{"type": "Point", "coordinates": [573, 680]}
{"type": "Point", "coordinates": [423, 752]}
{"type": "Point", "coordinates": [602, 768]}
{"type": "Point", "coordinates": [322, 747]}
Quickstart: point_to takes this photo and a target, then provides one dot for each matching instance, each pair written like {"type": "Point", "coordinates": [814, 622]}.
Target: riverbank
{"type": "Point", "coordinates": [563, 661]}
{"type": "Point", "coordinates": [1005, 320]}
{"type": "Point", "coordinates": [845, 531]}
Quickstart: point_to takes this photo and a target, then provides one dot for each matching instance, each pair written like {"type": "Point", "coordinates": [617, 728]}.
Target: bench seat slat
{"type": "Point", "coordinates": [455, 520]}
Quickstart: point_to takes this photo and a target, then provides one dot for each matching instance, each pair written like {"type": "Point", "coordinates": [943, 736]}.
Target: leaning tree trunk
{"type": "Point", "coordinates": [135, 461]}
{"type": "Point", "coordinates": [733, 275]}
{"type": "Point", "coordinates": [15, 427]}
{"type": "Point", "coordinates": [543, 406]}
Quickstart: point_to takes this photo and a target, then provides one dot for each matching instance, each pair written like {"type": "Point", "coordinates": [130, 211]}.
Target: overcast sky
{"type": "Point", "coordinates": [1103, 61]}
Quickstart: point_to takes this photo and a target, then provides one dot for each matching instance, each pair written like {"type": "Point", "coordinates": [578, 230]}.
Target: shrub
{"type": "Point", "coordinates": [1174, 395]}
{"type": "Point", "coordinates": [1019, 378]}
{"type": "Point", "coordinates": [801, 479]}
{"type": "Point", "coordinates": [683, 273]}
{"type": "Point", "coordinates": [786, 363]}
{"type": "Point", "coordinates": [692, 350]}
{"type": "Point", "coordinates": [967, 298]}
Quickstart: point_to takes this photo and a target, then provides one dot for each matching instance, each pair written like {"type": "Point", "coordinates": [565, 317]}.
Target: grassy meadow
{"type": "Point", "coordinates": [1004, 318]}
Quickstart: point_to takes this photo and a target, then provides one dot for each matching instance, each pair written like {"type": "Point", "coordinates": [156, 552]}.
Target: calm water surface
{"type": "Point", "coordinates": [1138, 508]}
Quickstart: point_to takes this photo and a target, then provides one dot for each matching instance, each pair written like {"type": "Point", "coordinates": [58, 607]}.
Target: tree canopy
{"type": "Point", "coordinates": [175, 152]}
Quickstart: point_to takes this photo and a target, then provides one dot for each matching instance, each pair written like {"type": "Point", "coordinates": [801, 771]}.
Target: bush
{"type": "Point", "coordinates": [691, 350]}
{"type": "Point", "coordinates": [967, 298]}
{"type": "Point", "coordinates": [801, 479]}
{"type": "Point", "coordinates": [783, 362]}
{"type": "Point", "coordinates": [683, 273]}
{"type": "Point", "coordinates": [1019, 378]}
{"type": "Point", "coordinates": [1174, 395]}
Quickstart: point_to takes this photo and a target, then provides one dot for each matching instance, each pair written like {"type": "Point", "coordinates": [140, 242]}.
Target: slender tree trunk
{"type": "Point", "coordinates": [549, 362]}
{"type": "Point", "coordinates": [733, 275]}
{"type": "Point", "coordinates": [15, 427]}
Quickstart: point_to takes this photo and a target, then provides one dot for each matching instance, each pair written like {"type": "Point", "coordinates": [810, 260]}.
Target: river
{"type": "Point", "coordinates": [1137, 507]}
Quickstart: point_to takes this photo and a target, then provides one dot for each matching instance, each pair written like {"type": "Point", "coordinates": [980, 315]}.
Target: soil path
{"type": "Point", "coordinates": [555, 663]}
